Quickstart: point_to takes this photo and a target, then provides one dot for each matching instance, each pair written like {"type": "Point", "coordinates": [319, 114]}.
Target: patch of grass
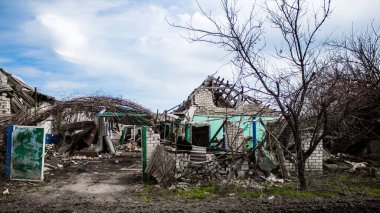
{"type": "Point", "coordinates": [343, 179]}
{"type": "Point", "coordinates": [147, 199]}
{"type": "Point", "coordinates": [71, 192]}
{"type": "Point", "coordinates": [373, 192]}
{"type": "Point", "coordinates": [323, 186]}
{"type": "Point", "coordinates": [289, 191]}
{"type": "Point", "coordinates": [151, 193]}
{"type": "Point", "coordinates": [326, 193]}
{"type": "Point", "coordinates": [146, 193]}
{"type": "Point", "coordinates": [199, 193]}
{"type": "Point", "coordinates": [350, 185]}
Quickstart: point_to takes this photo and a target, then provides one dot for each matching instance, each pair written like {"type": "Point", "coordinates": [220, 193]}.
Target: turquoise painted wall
{"type": "Point", "coordinates": [244, 122]}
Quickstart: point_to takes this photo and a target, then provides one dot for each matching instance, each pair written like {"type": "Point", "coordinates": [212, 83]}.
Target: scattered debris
{"type": "Point", "coordinates": [78, 162]}
{"type": "Point", "coordinates": [356, 165]}
{"type": "Point", "coordinates": [272, 179]}
{"type": "Point", "coordinates": [162, 167]}
{"type": "Point", "coordinates": [5, 192]}
{"type": "Point", "coordinates": [46, 169]}
{"type": "Point", "coordinates": [50, 166]}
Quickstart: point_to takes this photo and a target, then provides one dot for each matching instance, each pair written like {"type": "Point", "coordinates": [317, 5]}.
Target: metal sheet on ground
{"type": "Point", "coordinates": [27, 153]}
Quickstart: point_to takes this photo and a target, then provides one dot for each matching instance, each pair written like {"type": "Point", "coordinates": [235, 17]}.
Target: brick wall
{"type": "Point", "coordinates": [203, 100]}
{"type": "Point", "coordinates": [212, 171]}
{"type": "Point", "coordinates": [235, 136]}
{"type": "Point", "coordinates": [152, 140]}
{"type": "Point", "coordinates": [314, 162]}
{"type": "Point", "coordinates": [5, 109]}
{"type": "Point", "coordinates": [182, 163]}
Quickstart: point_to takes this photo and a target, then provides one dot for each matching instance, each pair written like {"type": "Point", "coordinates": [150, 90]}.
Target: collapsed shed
{"type": "Point", "coordinates": [92, 120]}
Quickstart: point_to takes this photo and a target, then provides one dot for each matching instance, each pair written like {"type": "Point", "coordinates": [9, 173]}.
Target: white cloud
{"type": "Point", "coordinates": [127, 48]}
{"type": "Point", "coordinates": [69, 40]}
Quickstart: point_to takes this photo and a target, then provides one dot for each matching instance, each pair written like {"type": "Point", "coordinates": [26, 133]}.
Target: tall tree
{"type": "Point", "coordinates": [290, 87]}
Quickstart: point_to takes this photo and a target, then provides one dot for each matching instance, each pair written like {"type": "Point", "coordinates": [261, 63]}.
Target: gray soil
{"type": "Point", "coordinates": [115, 185]}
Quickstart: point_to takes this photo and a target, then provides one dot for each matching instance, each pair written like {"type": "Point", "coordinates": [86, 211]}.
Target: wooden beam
{"type": "Point", "coordinates": [217, 132]}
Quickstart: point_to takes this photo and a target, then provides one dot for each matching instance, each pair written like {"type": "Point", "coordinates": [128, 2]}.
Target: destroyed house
{"type": "Point", "coordinates": [219, 113]}
{"type": "Point", "coordinates": [16, 100]}
{"type": "Point", "coordinates": [16, 96]}
{"type": "Point", "coordinates": [215, 124]}
{"type": "Point", "coordinates": [222, 113]}
{"type": "Point", "coordinates": [79, 123]}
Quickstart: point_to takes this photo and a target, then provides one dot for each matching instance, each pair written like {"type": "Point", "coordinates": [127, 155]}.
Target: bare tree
{"type": "Point", "coordinates": [243, 37]}
{"type": "Point", "coordinates": [356, 68]}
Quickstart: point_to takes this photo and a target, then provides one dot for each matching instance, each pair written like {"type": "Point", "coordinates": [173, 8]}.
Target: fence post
{"type": "Point", "coordinates": [144, 159]}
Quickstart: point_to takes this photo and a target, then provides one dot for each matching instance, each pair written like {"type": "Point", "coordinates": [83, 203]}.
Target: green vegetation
{"type": "Point", "coordinates": [287, 190]}
{"type": "Point", "coordinates": [349, 185]}
{"type": "Point", "coordinates": [373, 192]}
{"type": "Point", "coordinates": [320, 186]}
{"type": "Point", "coordinates": [71, 192]}
{"type": "Point", "coordinates": [152, 193]}
{"type": "Point", "coordinates": [199, 193]}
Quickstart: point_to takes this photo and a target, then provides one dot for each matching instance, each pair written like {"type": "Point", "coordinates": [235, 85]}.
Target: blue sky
{"type": "Point", "coordinates": [126, 48]}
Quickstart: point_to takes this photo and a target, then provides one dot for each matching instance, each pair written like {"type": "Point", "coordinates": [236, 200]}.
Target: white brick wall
{"type": "Point", "coordinates": [203, 99]}
{"type": "Point", "coordinates": [235, 136]}
{"type": "Point", "coordinates": [314, 162]}
{"type": "Point", "coordinates": [152, 140]}
{"type": "Point", "coordinates": [5, 104]}
{"type": "Point", "coordinates": [5, 109]}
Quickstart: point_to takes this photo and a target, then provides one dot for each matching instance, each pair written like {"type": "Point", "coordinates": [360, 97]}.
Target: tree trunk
{"type": "Point", "coordinates": [301, 161]}
{"type": "Point", "coordinates": [281, 159]}
{"type": "Point", "coordinates": [301, 172]}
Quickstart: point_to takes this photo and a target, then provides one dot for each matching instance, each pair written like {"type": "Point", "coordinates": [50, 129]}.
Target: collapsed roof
{"type": "Point", "coordinates": [125, 111]}
{"type": "Point", "coordinates": [226, 95]}
{"type": "Point", "coordinates": [23, 97]}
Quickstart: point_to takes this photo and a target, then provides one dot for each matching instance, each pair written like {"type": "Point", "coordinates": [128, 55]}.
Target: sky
{"type": "Point", "coordinates": [126, 48]}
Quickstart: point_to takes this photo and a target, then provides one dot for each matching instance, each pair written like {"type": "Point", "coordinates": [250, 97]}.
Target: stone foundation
{"type": "Point", "coordinates": [214, 170]}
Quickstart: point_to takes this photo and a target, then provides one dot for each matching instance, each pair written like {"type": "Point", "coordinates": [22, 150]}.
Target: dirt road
{"type": "Point", "coordinates": [115, 185]}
